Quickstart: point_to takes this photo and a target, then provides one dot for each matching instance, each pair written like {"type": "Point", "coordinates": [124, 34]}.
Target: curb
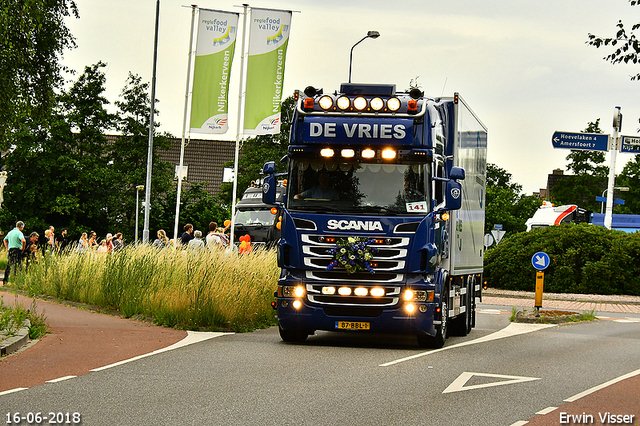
{"type": "Point", "coordinates": [12, 344]}
{"type": "Point", "coordinates": [585, 298]}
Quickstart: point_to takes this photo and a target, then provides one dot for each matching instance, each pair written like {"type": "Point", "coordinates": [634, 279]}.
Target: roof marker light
{"type": "Point", "coordinates": [348, 153]}
{"type": "Point", "coordinates": [389, 154]}
{"type": "Point", "coordinates": [327, 152]}
{"type": "Point", "coordinates": [368, 153]}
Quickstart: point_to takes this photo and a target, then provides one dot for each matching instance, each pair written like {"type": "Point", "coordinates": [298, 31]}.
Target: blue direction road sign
{"type": "Point", "coordinates": [630, 144]}
{"type": "Point", "coordinates": [540, 260]}
{"type": "Point", "coordinates": [586, 141]}
{"type": "Point", "coordinates": [604, 200]}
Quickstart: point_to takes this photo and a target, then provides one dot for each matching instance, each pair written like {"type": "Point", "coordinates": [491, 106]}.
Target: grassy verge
{"type": "Point", "coordinates": [12, 318]}
{"type": "Point", "coordinates": [210, 290]}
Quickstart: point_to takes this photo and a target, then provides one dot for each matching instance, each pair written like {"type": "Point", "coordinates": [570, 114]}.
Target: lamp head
{"type": "Point", "coordinates": [373, 34]}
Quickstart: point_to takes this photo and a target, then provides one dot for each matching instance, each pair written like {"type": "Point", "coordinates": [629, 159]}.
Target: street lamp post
{"type": "Point", "coordinates": [138, 189]}
{"type": "Point", "coordinates": [619, 188]}
{"type": "Point", "coordinates": [370, 34]}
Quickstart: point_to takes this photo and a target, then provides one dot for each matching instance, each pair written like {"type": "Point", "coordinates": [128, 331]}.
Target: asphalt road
{"type": "Point", "coordinates": [500, 374]}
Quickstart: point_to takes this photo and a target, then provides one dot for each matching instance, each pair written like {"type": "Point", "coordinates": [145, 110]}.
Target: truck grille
{"type": "Point", "coordinates": [389, 264]}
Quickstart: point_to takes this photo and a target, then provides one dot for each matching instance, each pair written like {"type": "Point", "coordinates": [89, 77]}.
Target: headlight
{"type": "Point", "coordinates": [376, 104]}
{"type": "Point", "coordinates": [343, 103]}
{"type": "Point", "coordinates": [377, 292]}
{"type": "Point", "coordinates": [360, 103]}
{"type": "Point", "coordinates": [361, 291]}
{"type": "Point", "coordinates": [292, 291]}
{"type": "Point", "coordinates": [393, 104]}
{"type": "Point", "coordinates": [418, 295]}
{"type": "Point", "coordinates": [325, 102]}
{"type": "Point", "coordinates": [344, 291]}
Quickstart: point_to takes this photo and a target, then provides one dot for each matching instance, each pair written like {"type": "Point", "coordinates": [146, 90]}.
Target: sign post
{"type": "Point", "coordinates": [540, 262]}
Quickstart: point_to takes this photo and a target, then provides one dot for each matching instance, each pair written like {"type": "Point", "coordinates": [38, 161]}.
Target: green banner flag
{"type": "Point", "coordinates": [215, 45]}
{"type": "Point", "coordinates": [268, 41]}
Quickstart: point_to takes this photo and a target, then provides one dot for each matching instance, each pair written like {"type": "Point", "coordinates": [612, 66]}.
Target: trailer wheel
{"type": "Point", "coordinates": [437, 341]}
{"type": "Point", "coordinates": [293, 336]}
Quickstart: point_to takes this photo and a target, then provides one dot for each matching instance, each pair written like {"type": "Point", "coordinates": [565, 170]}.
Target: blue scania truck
{"type": "Point", "coordinates": [383, 218]}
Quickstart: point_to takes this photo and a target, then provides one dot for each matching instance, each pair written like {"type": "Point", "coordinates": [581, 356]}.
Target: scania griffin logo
{"type": "Point", "coordinates": [355, 225]}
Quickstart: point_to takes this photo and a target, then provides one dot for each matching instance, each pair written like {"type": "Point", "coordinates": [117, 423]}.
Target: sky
{"type": "Point", "coordinates": [523, 67]}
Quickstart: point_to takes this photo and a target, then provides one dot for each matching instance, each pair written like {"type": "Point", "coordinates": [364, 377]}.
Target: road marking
{"type": "Point", "coordinates": [458, 384]}
{"type": "Point", "coordinates": [60, 379]}
{"type": "Point", "coordinates": [547, 410]}
{"type": "Point", "coordinates": [192, 337]}
{"type": "Point", "coordinates": [511, 330]}
{"type": "Point", "coordinates": [489, 311]}
{"type": "Point", "coordinates": [7, 392]}
{"type": "Point", "coordinates": [602, 386]}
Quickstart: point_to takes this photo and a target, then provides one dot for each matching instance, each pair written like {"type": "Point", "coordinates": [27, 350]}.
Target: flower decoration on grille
{"type": "Point", "coordinates": [353, 254]}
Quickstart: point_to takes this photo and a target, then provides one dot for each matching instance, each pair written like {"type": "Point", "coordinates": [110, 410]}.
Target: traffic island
{"type": "Point", "coordinates": [551, 316]}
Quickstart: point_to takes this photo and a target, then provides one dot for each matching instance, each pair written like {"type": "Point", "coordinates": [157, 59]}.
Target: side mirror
{"type": "Point", "coordinates": [457, 173]}
{"type": "Point", "coordinates": [269, 189]}
{"type": "Point", "coordinates": [269, 168]}
{"type": "Point", "coordinates": [454, 195]}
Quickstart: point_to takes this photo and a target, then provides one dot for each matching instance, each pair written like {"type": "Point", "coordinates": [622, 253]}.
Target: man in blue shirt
{"type": "Point", "coordinates": [15, 243]}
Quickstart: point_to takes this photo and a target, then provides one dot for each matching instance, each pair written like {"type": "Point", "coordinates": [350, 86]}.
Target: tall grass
{"type": "Point", "coordinates": [204, 289]}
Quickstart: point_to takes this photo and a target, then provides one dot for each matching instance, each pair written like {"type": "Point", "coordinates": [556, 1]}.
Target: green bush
{"type": "Point", "coordinates": [584, 259]}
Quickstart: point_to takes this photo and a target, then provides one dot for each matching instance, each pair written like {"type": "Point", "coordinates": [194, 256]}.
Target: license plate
{"type": "Point", "coordinates": [352, 325]}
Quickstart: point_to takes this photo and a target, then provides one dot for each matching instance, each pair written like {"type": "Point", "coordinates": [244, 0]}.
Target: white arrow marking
{"type": "Point", "coordinates": [540, 261]}
{"type": "Point", "coordinates": [459, 383]}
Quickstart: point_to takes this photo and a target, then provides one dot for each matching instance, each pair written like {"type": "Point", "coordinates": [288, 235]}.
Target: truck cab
{"type": "Point", "coordinates": [383, 218]}
{"type": "Point", "coordinates": [257, 219]}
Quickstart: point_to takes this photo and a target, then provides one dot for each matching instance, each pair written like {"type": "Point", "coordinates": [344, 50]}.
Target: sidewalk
{"type": "Point", "coordinates": [564, 301]}
{"type": "Point", "coordinates": [80, 340]}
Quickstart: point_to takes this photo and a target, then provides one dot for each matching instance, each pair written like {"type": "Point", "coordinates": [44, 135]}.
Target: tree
{"type": "Point", "coordinates": [257, 151]}
{"type": "Point", "coordinates": [505, 204]}
{"type": "Point", "coordinates": [129, 160]}
{"type": "Point", "coordinates": [56, 171]}
{"type": "Point", "coordinates": [33, 36]}
{"type": "Point", "coordinates": [630, 177]}
{"type": "Point", "coordinates": [626, 44]}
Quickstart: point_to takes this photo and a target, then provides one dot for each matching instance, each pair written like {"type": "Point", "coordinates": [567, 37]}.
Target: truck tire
{"type": "Point", "coordinates": [293, 336]}
{"type": "Point", "coordinates": [437, 341]}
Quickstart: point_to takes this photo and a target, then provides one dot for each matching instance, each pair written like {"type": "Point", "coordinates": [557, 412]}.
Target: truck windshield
{"type": "Point", "coordinates": [255, 216]}
{"type": "Point", "coordinates": [320, 186]}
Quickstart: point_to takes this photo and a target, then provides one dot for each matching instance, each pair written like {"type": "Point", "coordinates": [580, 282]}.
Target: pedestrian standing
{"type": "Point", "coordinates": [30, 250]}
{"type": "Point", "coordinates": [61, 240]}
{"type": "Point", "coordinates": [187, 235]}
{"type": "Point", "coordinates": [196, 243]}
{"type": "Point", "coordinates": [15, 244]}
{"type": "Point", "coordinates": [117, 242]}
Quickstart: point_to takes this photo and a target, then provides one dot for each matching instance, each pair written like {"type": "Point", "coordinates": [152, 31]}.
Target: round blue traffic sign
{"type": "Point", "coordinates": [540, 260]}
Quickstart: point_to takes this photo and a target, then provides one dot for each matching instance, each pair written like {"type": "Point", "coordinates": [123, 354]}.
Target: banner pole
{"type": "Point", "coordinates": [240, 126]}
{"type": "Point", "coordinates": [184, 126]}
{"type": "Point", "coordinates": [147, 194]}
